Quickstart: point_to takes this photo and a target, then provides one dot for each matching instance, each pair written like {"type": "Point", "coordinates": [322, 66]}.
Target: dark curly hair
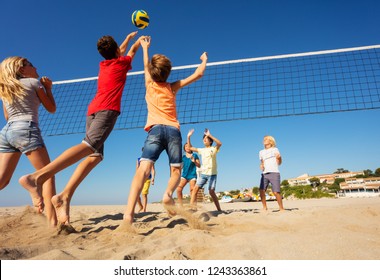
{"type": "Point", "coordinates": [107, 47]}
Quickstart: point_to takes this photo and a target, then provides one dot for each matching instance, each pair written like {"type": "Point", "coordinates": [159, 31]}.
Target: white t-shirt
{"type": "Point", "coordinates": [268, 157]}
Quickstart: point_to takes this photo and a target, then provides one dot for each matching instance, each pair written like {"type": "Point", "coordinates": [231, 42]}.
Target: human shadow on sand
{"type": "Point", "coordinates": [172, 224]}
{"type": "Point", "coordinates": [97, 220]}
{"type": "Point", "coordinates": [118, 217]}
{"type": "Point", "coordinates": [254, 211]}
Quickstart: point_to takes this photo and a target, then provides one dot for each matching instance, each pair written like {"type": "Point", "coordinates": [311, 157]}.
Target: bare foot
{"type": "Point", "coordinates": [127, 219]}
{"type": "Point", "coordinates": [34, 190]}
{"type": "Point", "coordinates": [168, 202]}
{"type": "Point", "coordinates": [62, 209]}
{"type": "Point", "coordinates": [65, 229]}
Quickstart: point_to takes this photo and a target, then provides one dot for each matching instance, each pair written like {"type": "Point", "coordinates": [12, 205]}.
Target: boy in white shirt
{"type": "Point", "coordinates": [270, 158]}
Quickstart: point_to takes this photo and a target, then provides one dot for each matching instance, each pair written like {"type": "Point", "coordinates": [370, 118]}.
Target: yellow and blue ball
{"type": "Point", "coordinates": [140, 19]}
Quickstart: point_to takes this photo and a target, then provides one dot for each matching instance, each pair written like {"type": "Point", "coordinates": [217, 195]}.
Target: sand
{"type": "Point", "coordinates": [313, 229]}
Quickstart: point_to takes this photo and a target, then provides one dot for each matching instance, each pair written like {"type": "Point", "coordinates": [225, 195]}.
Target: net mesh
{"type": "Point", "coordinates": [288, 85]}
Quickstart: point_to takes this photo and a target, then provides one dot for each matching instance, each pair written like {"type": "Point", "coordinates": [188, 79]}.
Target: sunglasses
{"type": "Point", "coordinates": [27, 63]}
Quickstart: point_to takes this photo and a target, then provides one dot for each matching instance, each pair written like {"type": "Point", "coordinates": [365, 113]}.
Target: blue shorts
{"type": "Point", "coordinates": [273, 179]}
{"type": "Point", "coordinates": [20, 136]}
{"type": "Point", "coordinates": [203, 179]}
{"type": "Point", "coordinates": [163, 137]}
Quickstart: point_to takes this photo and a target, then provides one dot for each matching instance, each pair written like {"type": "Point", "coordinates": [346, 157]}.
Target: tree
{"type": "Point", "coordinates": [315, 181]}
{"type": "Point", "coordinates": [337, 181]}
{"type": "Point", "coordinates": [285, 183]}
{"type": "Point", "coordinates": [235, 192]}
{"type": "Point", "coordinates": [367, 173]}
{"type": "Point", "coordinates": [377, 172]}
{"type": "Point", "coordinates": [255, 190]}
{"type": "Point", "coordinates": [341, 170]}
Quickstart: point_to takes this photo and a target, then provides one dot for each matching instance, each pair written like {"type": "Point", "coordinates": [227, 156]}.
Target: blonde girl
{"type": "Point", "coordinates": [22, 93]}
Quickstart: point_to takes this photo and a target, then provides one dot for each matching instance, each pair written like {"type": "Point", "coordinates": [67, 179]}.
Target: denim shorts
{"type": "Point", "coordinates": [203, 179]}
{"type": "Point", "coordinates": [272, 178]}
{"type": "Point", "coordinates": [163, 137]}
{"type": "Point", "coordinates": [20, 136]}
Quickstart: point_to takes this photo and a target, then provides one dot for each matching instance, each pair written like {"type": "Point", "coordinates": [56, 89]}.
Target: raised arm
{"type": "Point", "coordinates": [132, 51]}
{"type": "Point", "coordinates": [124, 45]}
{"type": "Point", "coordinates": [189, 134]}
{"type": "Point", "coordinates": [216, 140]}
{"type": "Point", "coordinates": [145, 44]}
{"type": "Point", "coordinates": [46, 96]}
{"type": "Point", "coordinates": [198, 73]}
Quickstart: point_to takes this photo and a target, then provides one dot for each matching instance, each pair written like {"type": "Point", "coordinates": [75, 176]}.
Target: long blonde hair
{"type": "Point", "coordinates": [10, 86]}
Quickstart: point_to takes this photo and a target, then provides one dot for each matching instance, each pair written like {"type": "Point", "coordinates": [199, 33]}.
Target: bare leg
{"type": "Point", "coordinates": [263, 199]}
{"type": "Point", "coordinates": [180, 187]}
{"type": "Point", "coordinates": [67, 158]}
{"type": "Point", "coordinates": [215, 199]}
{"type": "Point", "coordinates": [142, 173]}
{"type": "Point", "coordinates": [62, 200]}
{"type": "Point", "coordinates": [40, 158]}
{"type": "Point", "coordinates": [139, 204]}
{"type": "Point", "coordinates": [167, 200]}
{"type": "Point", "coordinates": [279, 200]}
{"type": "Point", "coordinates": [194, 193]}
{"type": "Point", "coordinates": [8, 163]}
{"type": "Point", "coordinates": [144, 201]}
{"type": "Point", "coordinates": [192, 185]}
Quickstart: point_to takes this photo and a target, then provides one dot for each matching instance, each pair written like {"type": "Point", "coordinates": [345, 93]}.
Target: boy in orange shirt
{"type": "Point", "coordinates": [162, 125]}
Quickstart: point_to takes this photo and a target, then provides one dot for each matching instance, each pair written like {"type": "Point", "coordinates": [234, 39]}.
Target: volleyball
{"type": "Point", "coordinates": [140, 19]}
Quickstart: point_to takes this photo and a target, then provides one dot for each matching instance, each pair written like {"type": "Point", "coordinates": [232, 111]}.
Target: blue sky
{"type": "Point", "coordinates": [60, 39]}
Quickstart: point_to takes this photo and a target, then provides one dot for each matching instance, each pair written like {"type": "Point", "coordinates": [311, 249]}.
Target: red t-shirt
{"type": "Point", "coordinates": [111, 82]}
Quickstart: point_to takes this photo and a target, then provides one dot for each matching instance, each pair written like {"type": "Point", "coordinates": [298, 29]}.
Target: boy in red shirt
{"type": "Point", "coordinates": [101, 117]}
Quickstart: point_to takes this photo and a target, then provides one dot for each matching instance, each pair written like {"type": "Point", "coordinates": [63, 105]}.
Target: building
{"type": "Point", "coordinates": [324, 178]}
{"type": "Point", "coordinates": [360, 187]}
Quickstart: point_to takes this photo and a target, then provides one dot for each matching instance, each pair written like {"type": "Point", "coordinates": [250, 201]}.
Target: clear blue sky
{"type": "Point", "coordinates": [60, 39]}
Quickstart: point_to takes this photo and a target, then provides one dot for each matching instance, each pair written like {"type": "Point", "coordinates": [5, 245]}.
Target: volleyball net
{"type": "Point", "coordinates": [277, 86]}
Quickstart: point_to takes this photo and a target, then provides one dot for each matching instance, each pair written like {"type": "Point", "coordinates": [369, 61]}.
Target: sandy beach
{"type": "Point", "coordinates": [314, 229]}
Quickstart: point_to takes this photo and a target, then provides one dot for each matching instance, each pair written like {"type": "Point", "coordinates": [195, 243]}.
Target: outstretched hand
{"type": "Point", "coordinates": [145, 41]}
{"type": "Point", "coordinates": [204, 56]}
{"type": "Point", "coordinates": [190, 133]}
{"type": "Point", "coordinates": [132, 35]}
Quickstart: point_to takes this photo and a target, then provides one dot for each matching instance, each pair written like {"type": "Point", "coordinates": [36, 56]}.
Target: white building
{"type": "Point", "coordinates": [324, 178]}
{"type": "Point", "coordinates": [360, 187]}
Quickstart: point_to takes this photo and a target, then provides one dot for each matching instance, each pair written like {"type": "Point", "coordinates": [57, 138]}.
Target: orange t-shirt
{"type": "Point", "coordinates": [160, 100]}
